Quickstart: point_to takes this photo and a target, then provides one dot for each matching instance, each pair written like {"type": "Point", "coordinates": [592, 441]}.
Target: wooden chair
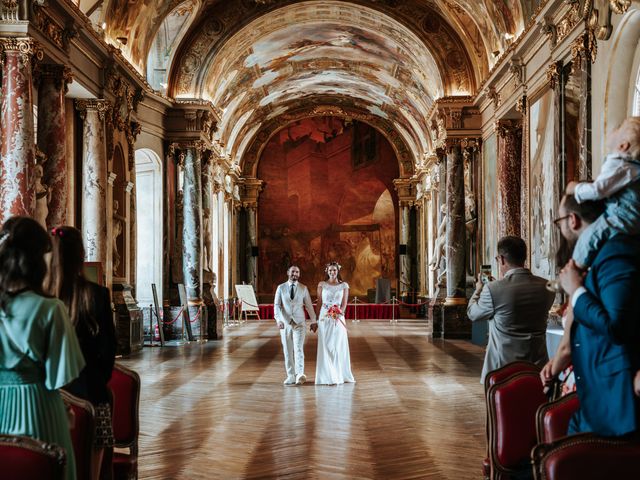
{"type": "Point", "coordinates": [125, 386]}
{"type": "Point", "coordinates": [25, 458]}
{"type": "Point", "coordinates": [491, 379]}
{"type": "Point", "coordinates": [552, 418]}
{"type": "Point", "coordinates": [83, 434]}
{"type": "Point", "coordinates": [587, 457]}
{"type": "Point", "coordinates": [512, 407]}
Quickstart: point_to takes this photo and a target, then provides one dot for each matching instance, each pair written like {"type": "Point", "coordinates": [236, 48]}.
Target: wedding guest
{"type": "Point", "coordinates": [89, 307]}
{"type": "Point", "coordinates": [516, 306]}
{"type": "Point", "coordinates": [39, 351]}
{"type": "Point", "coordinates": [605, 333]}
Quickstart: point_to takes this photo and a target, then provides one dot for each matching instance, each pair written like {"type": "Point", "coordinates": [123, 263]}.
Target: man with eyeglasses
{"type": "Point", "coordinates": [516, 306]}
{"type": "Point", "coordinates": [604, 329]}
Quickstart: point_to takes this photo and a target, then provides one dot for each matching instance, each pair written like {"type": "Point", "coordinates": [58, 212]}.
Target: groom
{"type": "Point", "coordinates": [288, 313]}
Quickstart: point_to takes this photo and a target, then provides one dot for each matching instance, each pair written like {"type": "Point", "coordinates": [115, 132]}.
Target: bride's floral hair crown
{"type": "Point", "coordinates": [332, 264]}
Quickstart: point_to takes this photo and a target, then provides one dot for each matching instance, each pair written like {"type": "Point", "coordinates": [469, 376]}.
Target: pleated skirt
{"type": "Point", "coordinates": [33, 411]}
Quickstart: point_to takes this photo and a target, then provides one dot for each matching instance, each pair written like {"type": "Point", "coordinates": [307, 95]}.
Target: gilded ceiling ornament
{"type": "Point", "coordinates": [494, 96]}
{"type": "Point", "coordinates": [521, 105]}
{"type": "Point", "coordinates": [553, 74]}
{"type": "Point", "coordinates": [548, 28]}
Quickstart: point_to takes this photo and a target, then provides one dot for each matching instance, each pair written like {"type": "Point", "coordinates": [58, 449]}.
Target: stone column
{"type": "Point", "coordinates": [191, 234]}
{"type": "Point", "coordinates": [252, 234]}
{"type": "Point", "coordinates": [405, 265]}
{"type": "Point", "coordinates": [52, 138]}
{"type": "Point", "coordinates": [17, 146]}
{"type": "Point", "coordinates": [94, 179]}
{"type": "Point", "coordinates": [455, 238]}
{"type": "Point", "coordinates": [509, 178]}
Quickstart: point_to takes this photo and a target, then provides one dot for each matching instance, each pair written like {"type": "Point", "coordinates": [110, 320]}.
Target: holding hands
{"type": "Point", "coordinates": [313, 327]}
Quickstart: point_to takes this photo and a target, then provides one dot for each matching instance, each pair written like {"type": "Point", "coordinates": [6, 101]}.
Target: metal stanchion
{"type": "Point", "coordinates": [355, 310]}
{"type": "Point", "coordinates": [393, 310]}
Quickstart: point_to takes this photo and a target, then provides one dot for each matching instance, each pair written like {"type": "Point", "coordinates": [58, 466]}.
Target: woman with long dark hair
{"type": "Point", "coordinates": [90, 311]}
{"type": "Point", "coordinates": [39, 351]}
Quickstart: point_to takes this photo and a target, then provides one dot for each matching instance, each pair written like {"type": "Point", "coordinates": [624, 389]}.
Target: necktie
{"type": "Point", "coordinates": [292, 292]}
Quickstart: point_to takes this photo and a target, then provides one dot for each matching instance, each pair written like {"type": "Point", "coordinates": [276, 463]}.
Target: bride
{"type": "Point", "coordinates": [333, 361]}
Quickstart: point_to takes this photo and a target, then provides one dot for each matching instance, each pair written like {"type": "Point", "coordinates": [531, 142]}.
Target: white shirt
{"type": "Point", "coordinates": [617, 172]}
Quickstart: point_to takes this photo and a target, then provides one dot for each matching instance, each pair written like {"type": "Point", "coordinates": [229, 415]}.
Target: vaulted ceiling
{"type": "Point", "coordinates": [260, 60]}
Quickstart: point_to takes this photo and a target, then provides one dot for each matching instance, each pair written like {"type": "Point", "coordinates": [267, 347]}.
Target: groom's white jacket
{"type": "Point", "coordinates": [285, 309]}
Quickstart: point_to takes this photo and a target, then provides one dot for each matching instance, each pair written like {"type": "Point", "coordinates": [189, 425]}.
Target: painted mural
{"type": "Point", "coordinates": [307, 51]}
{"type": "Point", "coordinates": [543, 186]}
{"type": "Point", "coordinates": [328, 195]}
{"type": "Point", "coordinates": [490, 200]}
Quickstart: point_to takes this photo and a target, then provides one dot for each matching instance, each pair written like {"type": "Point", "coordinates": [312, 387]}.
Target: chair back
{"type": "Point", "coordinates": [552, 418]}
{"type": "Point", "coordinates": [512, 406]}
{"type": "Point", "coordinates": [492, 378]}
{"type": "Point", "coordinates": [125, 386]}
{"type": "Point", "coordinates": [587, 457]}
{"type": "Point", "coordinates": [25, 458]}
{"type": "Point", "coordinates": [83, 433]}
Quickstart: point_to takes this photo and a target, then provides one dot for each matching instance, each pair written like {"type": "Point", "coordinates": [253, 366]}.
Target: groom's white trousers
{"type": "Point", "coordinates": [292, 337]}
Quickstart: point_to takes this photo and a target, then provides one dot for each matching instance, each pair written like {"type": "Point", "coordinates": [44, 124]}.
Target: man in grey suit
{"type": "Point", "coordinates": [517, 307]}
{"type": "Point", "coordinates": [291, 298]}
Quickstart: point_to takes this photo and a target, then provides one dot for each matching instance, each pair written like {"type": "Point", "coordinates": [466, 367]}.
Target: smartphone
{"type": "Point", "coordinates": [485, 273]}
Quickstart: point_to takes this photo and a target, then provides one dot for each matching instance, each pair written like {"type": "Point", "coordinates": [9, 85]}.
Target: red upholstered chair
{"type": "Point", "coordinates": [25, 458]}
{"type": "Point", "coordinates": [552, 418]}
{"type": "Point", "coordinates": [494, 377]}
{"type": "Point", "coordinates": [587, 457]}
{"type": "Point", "coordinates": [125, 386]}
{"type": "Point", "coordinates": [83, 434]}
{"type": "Point", "coordinates": [512, 423]}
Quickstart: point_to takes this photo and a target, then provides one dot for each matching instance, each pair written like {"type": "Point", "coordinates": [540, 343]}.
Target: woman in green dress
{"type": "Point", "coordinates": [39, 351]}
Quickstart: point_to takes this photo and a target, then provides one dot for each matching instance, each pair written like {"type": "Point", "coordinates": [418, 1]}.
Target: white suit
{"type": "Point", "coordinates": [290, 312]}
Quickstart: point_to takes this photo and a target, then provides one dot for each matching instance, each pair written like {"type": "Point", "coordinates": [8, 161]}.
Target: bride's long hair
{"type": "Point", "coordinates": [326, 271]}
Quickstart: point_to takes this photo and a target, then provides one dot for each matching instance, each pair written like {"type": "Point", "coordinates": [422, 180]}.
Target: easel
{"type": "Point", "coordinates": [156, 311]}
{"type": "Point", "coordinates": [248, 303]}
{"type": "Point", "coordinates": [186, 319]}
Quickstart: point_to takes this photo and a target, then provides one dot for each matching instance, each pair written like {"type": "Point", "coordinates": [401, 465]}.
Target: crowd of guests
{"type": "Point", "coordinates": [599, 223]}
{"type": "Point", "coordinates": [56, 331]}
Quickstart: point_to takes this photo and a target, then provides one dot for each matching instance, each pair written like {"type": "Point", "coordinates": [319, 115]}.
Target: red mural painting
{"type": "Point", "coordinates": [328, 195]}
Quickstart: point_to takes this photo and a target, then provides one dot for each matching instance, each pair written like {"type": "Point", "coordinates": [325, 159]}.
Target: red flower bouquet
{"type": "Point", "coordinates": [334, 312]}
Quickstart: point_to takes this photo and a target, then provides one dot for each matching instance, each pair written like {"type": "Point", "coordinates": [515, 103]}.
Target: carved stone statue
{"type": "Point", "coordinates": [118, 228]}
{"type": "Point", "coordinates": [206, 239]}
{"type": "Point", "coordinates": [43, 196]}
{"type": "Point", "coordinates": [438, 248]}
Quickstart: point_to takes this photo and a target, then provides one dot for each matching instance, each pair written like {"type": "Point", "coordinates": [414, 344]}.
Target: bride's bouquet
{"type": "Point", "coordinates": [334, 312]}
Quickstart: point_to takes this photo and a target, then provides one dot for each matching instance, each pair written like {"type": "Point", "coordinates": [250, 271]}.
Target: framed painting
{"type": "Point", "coordinates": [543, 185]}
{"type": "Point", "coordinates": [490, 200]}
{"type": "Point", "coordinates": [93, 272]}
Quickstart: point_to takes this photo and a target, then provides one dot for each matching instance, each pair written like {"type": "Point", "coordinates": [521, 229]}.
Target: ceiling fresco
{"type": "Point", "coordinates": [258, 60]}
{"type": "Point", "coordinates": [382, 70]}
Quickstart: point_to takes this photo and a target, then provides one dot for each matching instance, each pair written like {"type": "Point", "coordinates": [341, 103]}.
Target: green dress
{"type": "Point", "coordinates": [39, 353]}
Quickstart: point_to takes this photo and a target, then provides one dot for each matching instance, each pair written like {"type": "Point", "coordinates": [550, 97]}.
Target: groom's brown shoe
{"type": "Point", "coordinates": [301, 379]}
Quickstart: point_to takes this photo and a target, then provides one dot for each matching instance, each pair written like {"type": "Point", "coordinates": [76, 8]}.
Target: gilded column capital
{"type": "Point", "coordinates": [26, 47]}
{"type": "Point", "coordinates": [554, 69]}
{"type": "Point", "coordinates": [60, 75]}
{"type": "Point", "coordinates": [102, 107]}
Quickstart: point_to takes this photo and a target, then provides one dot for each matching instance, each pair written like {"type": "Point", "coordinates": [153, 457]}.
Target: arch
{"type": "Point", "coordinates": [621, 76]}
{"type": "Point", "coordinates": [260, 138]}
{"type": "Point", "coordinates": [149, 201]}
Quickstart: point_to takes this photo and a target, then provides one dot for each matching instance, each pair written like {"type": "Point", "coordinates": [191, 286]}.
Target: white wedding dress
{"type": "Point", "coordinates": [333, 361]}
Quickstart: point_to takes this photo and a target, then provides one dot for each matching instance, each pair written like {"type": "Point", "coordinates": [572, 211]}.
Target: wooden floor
{"type": "Point", "coordinates": [219, 410]}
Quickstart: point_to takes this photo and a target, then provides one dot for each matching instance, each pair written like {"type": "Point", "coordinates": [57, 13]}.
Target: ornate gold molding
{"type": "Point", "coordinates": [554, 69]}
{"type": "Point", "coordinates": [102, 107]}
{"type": "Point", "coordinates": [26, 47]}
{"type": "Point", "coordinates": [60, 75]}
{"type": "Point", "coordinates": [521, 105]}
{"type": "Point", "coordinates": [584, 48]}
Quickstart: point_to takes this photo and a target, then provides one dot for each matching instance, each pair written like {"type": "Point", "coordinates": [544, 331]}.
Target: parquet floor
{"type": "Point", "coordinates": [220, 411]}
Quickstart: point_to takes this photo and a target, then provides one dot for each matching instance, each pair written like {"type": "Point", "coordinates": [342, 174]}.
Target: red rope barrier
{"type": "Point", "coordinates": [175, 319]}
{"type": "Point", "coordinates": [197, 315]}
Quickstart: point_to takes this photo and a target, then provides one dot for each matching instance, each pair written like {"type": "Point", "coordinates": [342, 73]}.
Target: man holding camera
{"type": "Point", "coordinates": [516, 306]}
